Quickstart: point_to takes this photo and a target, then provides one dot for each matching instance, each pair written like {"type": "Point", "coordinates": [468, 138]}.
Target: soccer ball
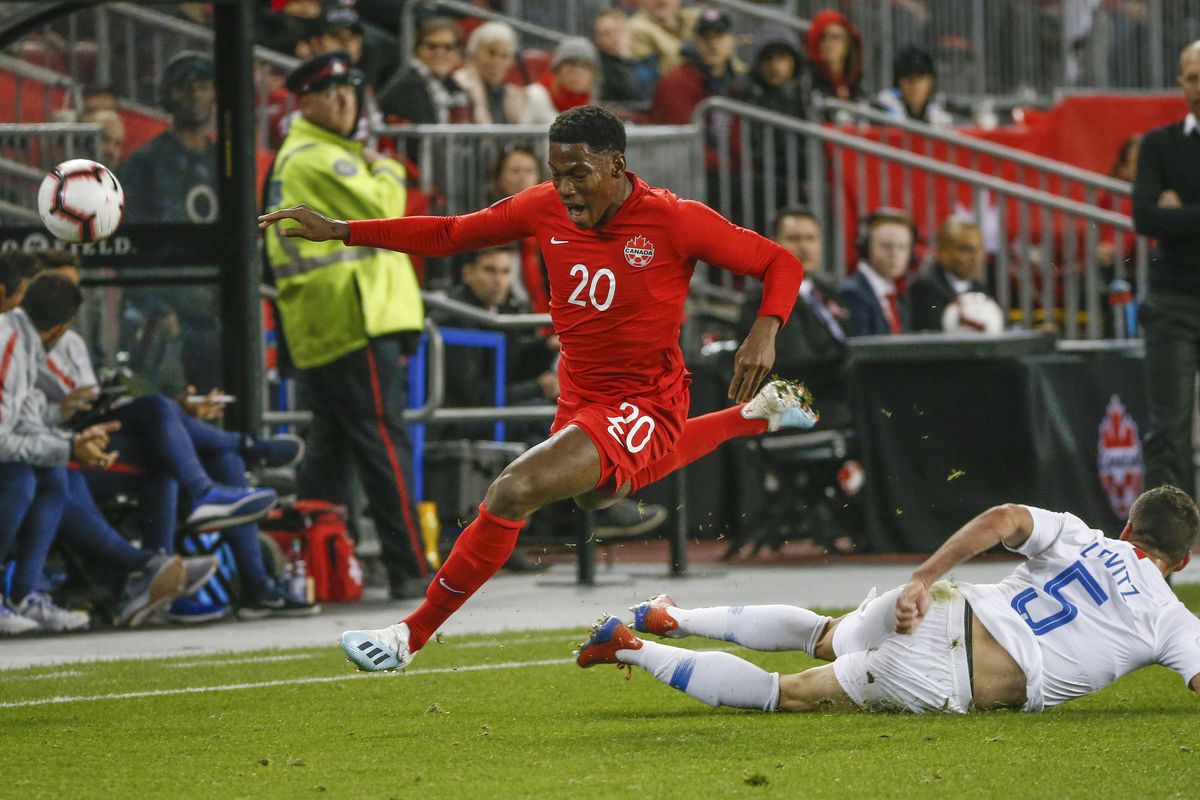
{"type": "Point", "coordinates": [81, 201]}
{"type": "Point", "coordinates": [973, 312]}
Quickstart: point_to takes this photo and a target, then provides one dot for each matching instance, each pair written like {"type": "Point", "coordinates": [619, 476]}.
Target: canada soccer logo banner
{"type": "Point", "coordinates": [639, 251]}
{"type": "Point", "coordinates": [1120, 459]}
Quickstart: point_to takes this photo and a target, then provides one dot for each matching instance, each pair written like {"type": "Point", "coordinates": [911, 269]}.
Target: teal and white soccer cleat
{"type": "Point", "coordinates": [783, 404]}
{"type": "Point", "coordinates": [376, 651]}
{"type": "Point", "coordinates": [651, 616]}
{"type": "Point", "coordinates": [608, 636]}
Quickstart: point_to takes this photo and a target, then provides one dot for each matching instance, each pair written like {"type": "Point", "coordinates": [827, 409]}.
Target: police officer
{"type": "Point", "coordinates": [350, 315]}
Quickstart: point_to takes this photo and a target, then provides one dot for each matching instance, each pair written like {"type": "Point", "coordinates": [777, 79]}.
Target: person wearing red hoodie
{"type": "Point", "coordinates": [709, 68]}
{"type": "Point", "coordinates": [835, 50]}
{"type": "Point", "coordinates": [570, 82]}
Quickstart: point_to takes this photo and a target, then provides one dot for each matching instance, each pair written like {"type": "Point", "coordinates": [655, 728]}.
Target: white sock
{"type": "Point", "coordinates": [756, 627]}
{"type": "Point", "coordinates": [866, 628]}
{"type": "Point", "coordinates": [718, 679]}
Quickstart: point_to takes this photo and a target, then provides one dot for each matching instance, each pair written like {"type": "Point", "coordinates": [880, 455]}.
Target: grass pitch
{"type": "Point", "coordinates": [512, 717]}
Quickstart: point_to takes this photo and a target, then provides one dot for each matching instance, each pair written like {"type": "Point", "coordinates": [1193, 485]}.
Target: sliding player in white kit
{"type": "Point", "coordinates": [1080, 612]}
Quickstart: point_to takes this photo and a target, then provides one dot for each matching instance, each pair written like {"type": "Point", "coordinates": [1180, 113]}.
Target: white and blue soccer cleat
{"type": "Point", "coordinates": [376, 651]}
{"type": "Point", "coordinates": [783, 404]}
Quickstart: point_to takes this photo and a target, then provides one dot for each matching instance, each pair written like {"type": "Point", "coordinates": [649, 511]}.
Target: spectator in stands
{"type": "Point", "coordinates": [622, 79]}
{"type": "Point", "coordinates": [487, 281]}
{"type": "Point", "coordinates": [659, 30]}
{"type": "Point", "coordinates": [175, 332]}
{"type": "Point", "coordinates": [958, 269]}
{"type": "Point", "coordinates": [710, 67]}
{"type": "Point", "coordinates": [1124, 168]}
{"type": "Point", "coordinates": [835, 52]}
{"type": "Point", "coordinates": [1166, 205]}
{"type": "Point", "coordinates": [912, 95]}
{"type": "Point", "coordinates": [517, 169]}
{"type": "Point", "coordinates": [870, 295]}
{"type": "Point", "coordinates": [425, 91]}
{"type": "Point", "coordinates": [570, 82]}
{"type": "Point", "coordinates": [811, 345]}
{"type": "Point", "coordinates": [490, 53]}
{"type": "Point", "coordinates": [350, 316]}
{"type": "Point", "coordinates": [97, 97]}
{"type": "Point", "coordinates": [161, 437]}
{"type": "Point", "coordinates": [112, 136]}
{"type": "Point", "coordinates": [776, 78]}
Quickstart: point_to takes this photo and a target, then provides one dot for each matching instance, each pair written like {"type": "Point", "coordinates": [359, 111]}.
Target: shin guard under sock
{"type": "Point", "coordinates": [701, 435]}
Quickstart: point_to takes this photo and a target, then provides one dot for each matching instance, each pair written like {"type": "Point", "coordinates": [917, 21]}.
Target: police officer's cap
{"type": "Point", "coordinates": [321, 72]}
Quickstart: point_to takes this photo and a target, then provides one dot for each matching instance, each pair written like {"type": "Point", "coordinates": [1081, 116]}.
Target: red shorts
{"type": "Point", "coordinates": [630, 435]}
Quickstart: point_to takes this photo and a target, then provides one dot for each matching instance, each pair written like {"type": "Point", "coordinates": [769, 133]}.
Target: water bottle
{"type": "Point", "coordinates": [299, 585]}
{"type": "Point", "coordinates": [1120, 300]}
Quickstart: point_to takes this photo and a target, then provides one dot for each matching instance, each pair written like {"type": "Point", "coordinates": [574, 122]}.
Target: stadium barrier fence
{"type": "Point", "coordinates": [28, 152]}
{"type": "Point", "coordinates": [1045, 244]}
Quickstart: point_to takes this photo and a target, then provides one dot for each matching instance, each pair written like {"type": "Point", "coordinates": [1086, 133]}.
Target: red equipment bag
{"type": "Point", "coordinates": [325, 546]}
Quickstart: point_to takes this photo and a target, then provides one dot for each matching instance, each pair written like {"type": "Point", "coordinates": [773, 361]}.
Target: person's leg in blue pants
{"type": "Point", "coordinates": [158, 501]}
{"type": "Point", "coordinates": [207, 438]}
{"type": "Point", "coordinates": [227, 467]}
{"type": "Point", "coordinates": [38, 528]}
{"type": "Point", "coordinates": [18, 486]}
{"type": "Point", "coordinates": [152, 433]}
{"type": "Point", "coordinates": [85, 529]}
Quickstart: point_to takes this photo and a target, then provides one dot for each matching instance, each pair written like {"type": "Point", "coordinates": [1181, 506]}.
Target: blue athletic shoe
{"type": "Point", "coordinates": [783, 404]}
{"type": "Point", "coordinates": [281, 450]}
{"type": "Point", "coordinates": [608, 636]}
{"type": "Point", "coordinates": [376, 651]}
{"type": "Point", "coordinates": [225, 506]}
{"type": "Point", "coordinates": [191, 611]}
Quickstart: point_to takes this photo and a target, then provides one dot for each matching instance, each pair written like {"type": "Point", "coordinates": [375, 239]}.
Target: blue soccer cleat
{"type": "Point", "coordinates": [225, 506]}
{"type": "Point", "coordinates": [608, 636]}
{"type": "Point", "coordinates": [783, 404]}
{"type": "Point", "coordinates": [379, 650]}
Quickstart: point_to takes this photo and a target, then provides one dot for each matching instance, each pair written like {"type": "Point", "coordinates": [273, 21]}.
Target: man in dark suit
{"type": "Point", "coordinates": [1166, 205]}
{"type": "Point", "coordinates": [958, 269]}
{"type": "Point", "coordinates": [811, 345]}
{"type": "Point", "coordinates": [869, 295]}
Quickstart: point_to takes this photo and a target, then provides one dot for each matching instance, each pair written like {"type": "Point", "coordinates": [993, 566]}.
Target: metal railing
{"type": "Point", "coordinates": [28, 152]}
{"type": "Point", "coordinates": [1048, 260]}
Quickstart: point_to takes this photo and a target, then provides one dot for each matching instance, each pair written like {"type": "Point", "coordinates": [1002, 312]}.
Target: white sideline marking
{"type": "Point", "coordinates": [230, 687]}
{"type": "Point", "coordinates": [221, 662]}
{"type": "Point", "coordinates": [68, 673]}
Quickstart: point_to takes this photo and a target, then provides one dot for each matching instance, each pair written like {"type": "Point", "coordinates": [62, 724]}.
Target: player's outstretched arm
{"type": "Point", "coordinates": [314, 226]}
{"type": "Point", "coordinates": [1011, 524]}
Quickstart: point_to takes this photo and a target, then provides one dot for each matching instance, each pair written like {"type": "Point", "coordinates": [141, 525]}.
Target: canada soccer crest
{"type": "Point", "coordinates": [639, 251]}
{"type": "Point", "coordinates": [1120, 459]}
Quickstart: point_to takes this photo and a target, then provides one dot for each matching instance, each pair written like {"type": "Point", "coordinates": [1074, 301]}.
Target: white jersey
{"type": "Point", "coordinates": [1083, 611]}
{"type": "Point", "coordinates": [67, 367]}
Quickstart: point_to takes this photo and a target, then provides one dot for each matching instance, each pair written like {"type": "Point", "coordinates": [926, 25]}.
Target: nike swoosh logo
{"type": "Point", "coordinates": [555, 240]}
{"type": "Point", "coordinates": [448, 587]}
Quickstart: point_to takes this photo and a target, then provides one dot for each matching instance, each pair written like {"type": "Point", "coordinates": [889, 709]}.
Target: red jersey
{"type": "Point", "coordinates": [616, 291]}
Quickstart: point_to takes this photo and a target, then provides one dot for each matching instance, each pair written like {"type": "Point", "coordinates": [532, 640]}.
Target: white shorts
{"type": "Point", "coordinates": [928, 670]}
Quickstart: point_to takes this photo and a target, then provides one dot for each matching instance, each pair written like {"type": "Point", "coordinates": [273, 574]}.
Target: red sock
{"type": "Point", "coordinates": [481, 549]}
{"type": "Point", "coordinates": [701, 435]}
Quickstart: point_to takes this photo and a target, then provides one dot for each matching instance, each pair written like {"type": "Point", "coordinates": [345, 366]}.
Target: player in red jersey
{"type": "Point", "coordinates": [620, 255]}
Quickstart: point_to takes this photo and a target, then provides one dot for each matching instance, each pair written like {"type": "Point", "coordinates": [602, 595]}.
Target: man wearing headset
{"type": "Point", "coordinates": [870, 295]}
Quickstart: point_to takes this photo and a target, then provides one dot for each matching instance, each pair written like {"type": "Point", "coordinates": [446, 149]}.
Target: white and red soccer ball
{"type": "Point", "coordinates": [81, 201]}
{"type": "Point", "coordinates": [973, 312]}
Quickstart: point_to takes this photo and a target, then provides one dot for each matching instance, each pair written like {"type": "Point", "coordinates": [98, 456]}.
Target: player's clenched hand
{"type": "Point", "coordinates": [754, 359]}
{"type": "Point", "coordinates": [911, 606]}
{"type": "Point", "coordinates": [314, 226]}
{"type": "Point", "coordinates": [88, 446]}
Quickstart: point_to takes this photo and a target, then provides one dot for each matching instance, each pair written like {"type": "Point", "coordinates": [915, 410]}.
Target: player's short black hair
{"type": "Point", "coordinates": [1167, 520]}
{"type": "Point", "coordinates": [589, 125]}
{"type": "Point", "coordinates": [15, 266]}
{"type": "Point", "coordinates": [56, 257]}
{"type": "Point", "coordinates": [51, 300]}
